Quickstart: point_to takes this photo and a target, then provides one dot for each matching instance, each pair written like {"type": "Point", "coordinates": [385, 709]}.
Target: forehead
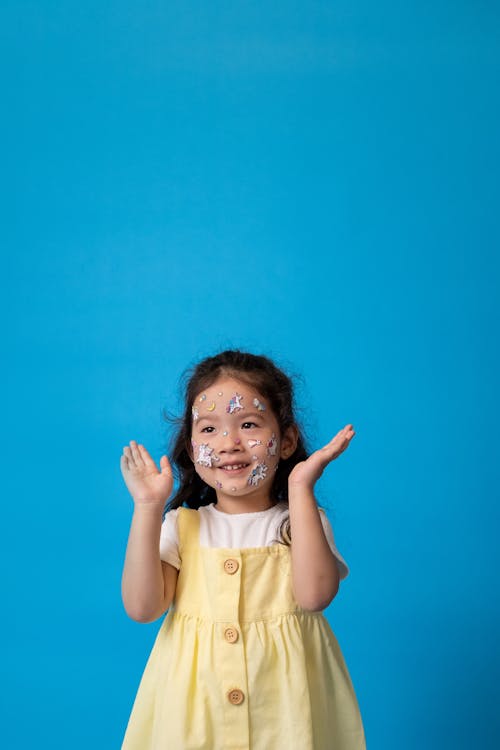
{"type": "Point", "coordinates": [229, 400]}
{"type": "Point", "coordinates": [224, 389]}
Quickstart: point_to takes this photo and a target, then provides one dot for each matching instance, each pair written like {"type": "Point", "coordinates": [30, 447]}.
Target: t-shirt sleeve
{"type": "Point", "coordinates": [169, 539]}
{"type": "Point", "coordinates": [327, 528]}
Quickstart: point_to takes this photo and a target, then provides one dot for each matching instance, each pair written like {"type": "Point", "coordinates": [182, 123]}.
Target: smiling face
{"type": "Point", "coordinates": [236, 441]}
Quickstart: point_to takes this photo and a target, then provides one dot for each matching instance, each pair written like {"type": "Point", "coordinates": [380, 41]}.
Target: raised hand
{"type": "Point", "coordinates": [145, 483]}
{"type": "Point", "coordinates": [309, 471]}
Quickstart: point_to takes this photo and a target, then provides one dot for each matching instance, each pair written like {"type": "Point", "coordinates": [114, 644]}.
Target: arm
{"type": "Point", "coordinates": [148, 586]}
{"type": "Point", "coordinates": [315, 576]}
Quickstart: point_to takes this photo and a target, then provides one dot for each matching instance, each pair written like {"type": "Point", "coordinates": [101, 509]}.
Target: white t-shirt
{"type": "Point", "coordinates": [237, 531]}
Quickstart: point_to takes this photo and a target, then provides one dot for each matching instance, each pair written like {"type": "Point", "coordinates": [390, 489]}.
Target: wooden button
{"type": "Point", "coordinates": [231, 566]}
{"type": "Point", "coordinates": [236, 697]}
{"type": "Point", "coordinates": [231, 635]}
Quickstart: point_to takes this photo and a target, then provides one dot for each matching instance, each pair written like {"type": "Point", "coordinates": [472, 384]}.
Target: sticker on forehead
{"type": "Point", "coordinates": [234, 404]}
{"type": "Point", "coordinates": [205, 455]}
{"type": "Point", "coordinates": [202, 398]}
{"type": "Point", "coordinates": [211, 407]}
{"type": "Point", "coordinates": [257, 474]}
{"type": "Point", "coordinates": [260, 406]}
{"type": "Point", "coordinates": [195, 413]}
{"type": "Point", "coordinates": [271, 445]}
{"type": "Point", "coordinates": [253, 443]}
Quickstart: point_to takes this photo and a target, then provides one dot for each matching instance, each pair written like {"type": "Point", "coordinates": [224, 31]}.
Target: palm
{"type": "Point", "coordinates": [310, 470]}
{"type": "Point", "coordinates": [145, 483]}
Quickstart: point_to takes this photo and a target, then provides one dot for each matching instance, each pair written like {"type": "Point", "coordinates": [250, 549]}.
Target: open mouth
{"type": "Point", "coordinates": [233, 468]}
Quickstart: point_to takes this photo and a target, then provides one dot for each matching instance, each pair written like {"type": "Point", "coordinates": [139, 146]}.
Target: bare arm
{"type": "Point", "coordinates": [148, 586]}
{"type": "Point", "coordinates": [315, 576]}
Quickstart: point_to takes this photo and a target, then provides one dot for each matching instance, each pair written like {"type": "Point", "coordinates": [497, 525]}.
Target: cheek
{"type": "Point", "coordinates": [265, 458]}
{"type": "Point", "coordinates": [272, 446]}
{"type": "Point", "coordinates": [204, 455]}
{"type": "Point", "coordinates": [205, 473]}
{"type": "Point", "coordinates": [266, 449]}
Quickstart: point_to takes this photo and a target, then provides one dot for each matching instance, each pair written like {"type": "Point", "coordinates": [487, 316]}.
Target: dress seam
{"type": "Point", "coordinates": [296, 612]}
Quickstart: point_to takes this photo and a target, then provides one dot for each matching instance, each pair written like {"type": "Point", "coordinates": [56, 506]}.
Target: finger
{"type": "Point", "coordinates": [334, 448]}
{"type": "Point", "coordinates": [335, 442]}
{"type": "Point", "coordinates": [130, 457]}
{"type": "Point", "coordinates": [127, 468]}
{"type": "Point", "coordinates": [165, 465]}
{"type": "Point", "coordinates": [146, 457]}
{"type": "Point", "coordinates": [342, 437]}
{"type": "Point", "coordinates": [136, 454]}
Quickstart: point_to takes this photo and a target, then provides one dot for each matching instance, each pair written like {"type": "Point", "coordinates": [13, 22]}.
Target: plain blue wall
{"type": "Point", "coordinates": [310, 180]}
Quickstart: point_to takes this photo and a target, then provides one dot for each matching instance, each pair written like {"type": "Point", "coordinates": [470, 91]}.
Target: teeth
{"type": "Point", "coordinates": [233, 467]}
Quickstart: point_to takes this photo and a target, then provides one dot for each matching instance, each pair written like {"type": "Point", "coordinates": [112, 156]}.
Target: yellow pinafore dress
{"type": "Point", "coordinates": [238, 665]}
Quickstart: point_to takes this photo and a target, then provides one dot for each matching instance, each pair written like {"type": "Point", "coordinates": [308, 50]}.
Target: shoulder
{"type": "Point", "coordinates": [169, 538]}
{"type": "Point", "coordinates": [170, 519]}
{"type": "Point", "coordinates": [328, 529]}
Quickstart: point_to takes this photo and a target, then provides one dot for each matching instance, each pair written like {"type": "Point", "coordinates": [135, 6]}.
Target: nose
{"type": "Point", "coordinates": [229, 442]}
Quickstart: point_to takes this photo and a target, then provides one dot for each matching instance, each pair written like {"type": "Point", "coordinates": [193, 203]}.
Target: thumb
{"type": "Point", "coordinates": [165, 464]}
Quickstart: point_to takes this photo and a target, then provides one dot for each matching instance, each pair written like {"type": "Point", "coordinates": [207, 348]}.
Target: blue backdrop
{"type": "Point", "coordinates": [314, 181]}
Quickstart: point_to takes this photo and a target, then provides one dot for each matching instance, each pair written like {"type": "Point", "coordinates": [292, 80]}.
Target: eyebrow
{"type": "Point", "coordinates": [243, 415]}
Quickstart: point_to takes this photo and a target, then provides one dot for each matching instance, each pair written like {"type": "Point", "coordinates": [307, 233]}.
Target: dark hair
{"type": "Point", "coordinates": [272, 383]}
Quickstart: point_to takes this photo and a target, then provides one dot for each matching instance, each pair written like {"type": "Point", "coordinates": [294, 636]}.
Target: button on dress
{"type": "Point", "coordinates": [238, 665]}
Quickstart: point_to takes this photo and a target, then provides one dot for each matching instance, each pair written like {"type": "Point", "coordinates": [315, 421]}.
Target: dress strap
{"type": "Point", "coordinates": [188, 525]}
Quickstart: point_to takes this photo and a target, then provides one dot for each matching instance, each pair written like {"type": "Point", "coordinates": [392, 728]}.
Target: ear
{"type": "Point", "coordinates": [289, 441]}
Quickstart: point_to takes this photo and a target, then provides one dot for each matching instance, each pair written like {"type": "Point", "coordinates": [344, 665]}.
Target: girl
{"type": "Point", "coordinates": [245, 659]}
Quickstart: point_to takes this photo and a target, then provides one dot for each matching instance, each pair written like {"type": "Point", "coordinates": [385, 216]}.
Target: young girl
{"type": "Point", "coordinates": [244, 659]}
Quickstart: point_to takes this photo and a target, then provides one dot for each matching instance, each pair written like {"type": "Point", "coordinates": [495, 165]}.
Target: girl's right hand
{"type": "Point", "coordinates": [146, 484]}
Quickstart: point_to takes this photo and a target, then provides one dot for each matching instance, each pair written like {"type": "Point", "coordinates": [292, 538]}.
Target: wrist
{"type": "Point", "coordinates": [300, 489]}
{"type": "Point", "coordinates": [143, 507]}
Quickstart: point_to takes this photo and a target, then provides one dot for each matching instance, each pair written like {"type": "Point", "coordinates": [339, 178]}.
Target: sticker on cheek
{"type": "Point", "coordinates": [257, 474]}
{"type": "Point", "coordinates": [234, 404]}
{"type": "Point", "coordinates": [272, 445]}
{"type": "Point", "coordinates": [253, 443]}
{"type": "Point", "coordinates": [260, 406]}
{"type": "Point", "coordinates": [205, 455]}
{"type": "Point", "coordinates": [195, 413]}
{"type": "Point", "coordinates": [218, 484]}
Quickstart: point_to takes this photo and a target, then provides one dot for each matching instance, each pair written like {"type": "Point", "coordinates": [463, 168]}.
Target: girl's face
{"type": "Point", "coordinates": [235, 440]}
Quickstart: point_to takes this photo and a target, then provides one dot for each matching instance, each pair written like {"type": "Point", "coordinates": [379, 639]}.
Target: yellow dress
{"type": "Point", "coordinates": [238, 665]}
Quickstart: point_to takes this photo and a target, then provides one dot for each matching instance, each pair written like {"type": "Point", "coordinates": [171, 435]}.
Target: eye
{"type": "Point", "coordinates": [248, 425]}
{"type": "Point", "coordinates": [207, 429]}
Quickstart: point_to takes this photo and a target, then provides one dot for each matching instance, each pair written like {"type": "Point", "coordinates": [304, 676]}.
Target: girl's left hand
{"type": "Point", "coordinates": [309, 471]}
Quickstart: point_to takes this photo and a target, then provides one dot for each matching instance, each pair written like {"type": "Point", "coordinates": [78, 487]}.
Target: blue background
{"type": "Point", "coordinates": [309, 180]}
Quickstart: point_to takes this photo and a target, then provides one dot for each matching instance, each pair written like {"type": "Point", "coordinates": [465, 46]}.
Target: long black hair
{"type": "Point", "coordinates": [271, 382]}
